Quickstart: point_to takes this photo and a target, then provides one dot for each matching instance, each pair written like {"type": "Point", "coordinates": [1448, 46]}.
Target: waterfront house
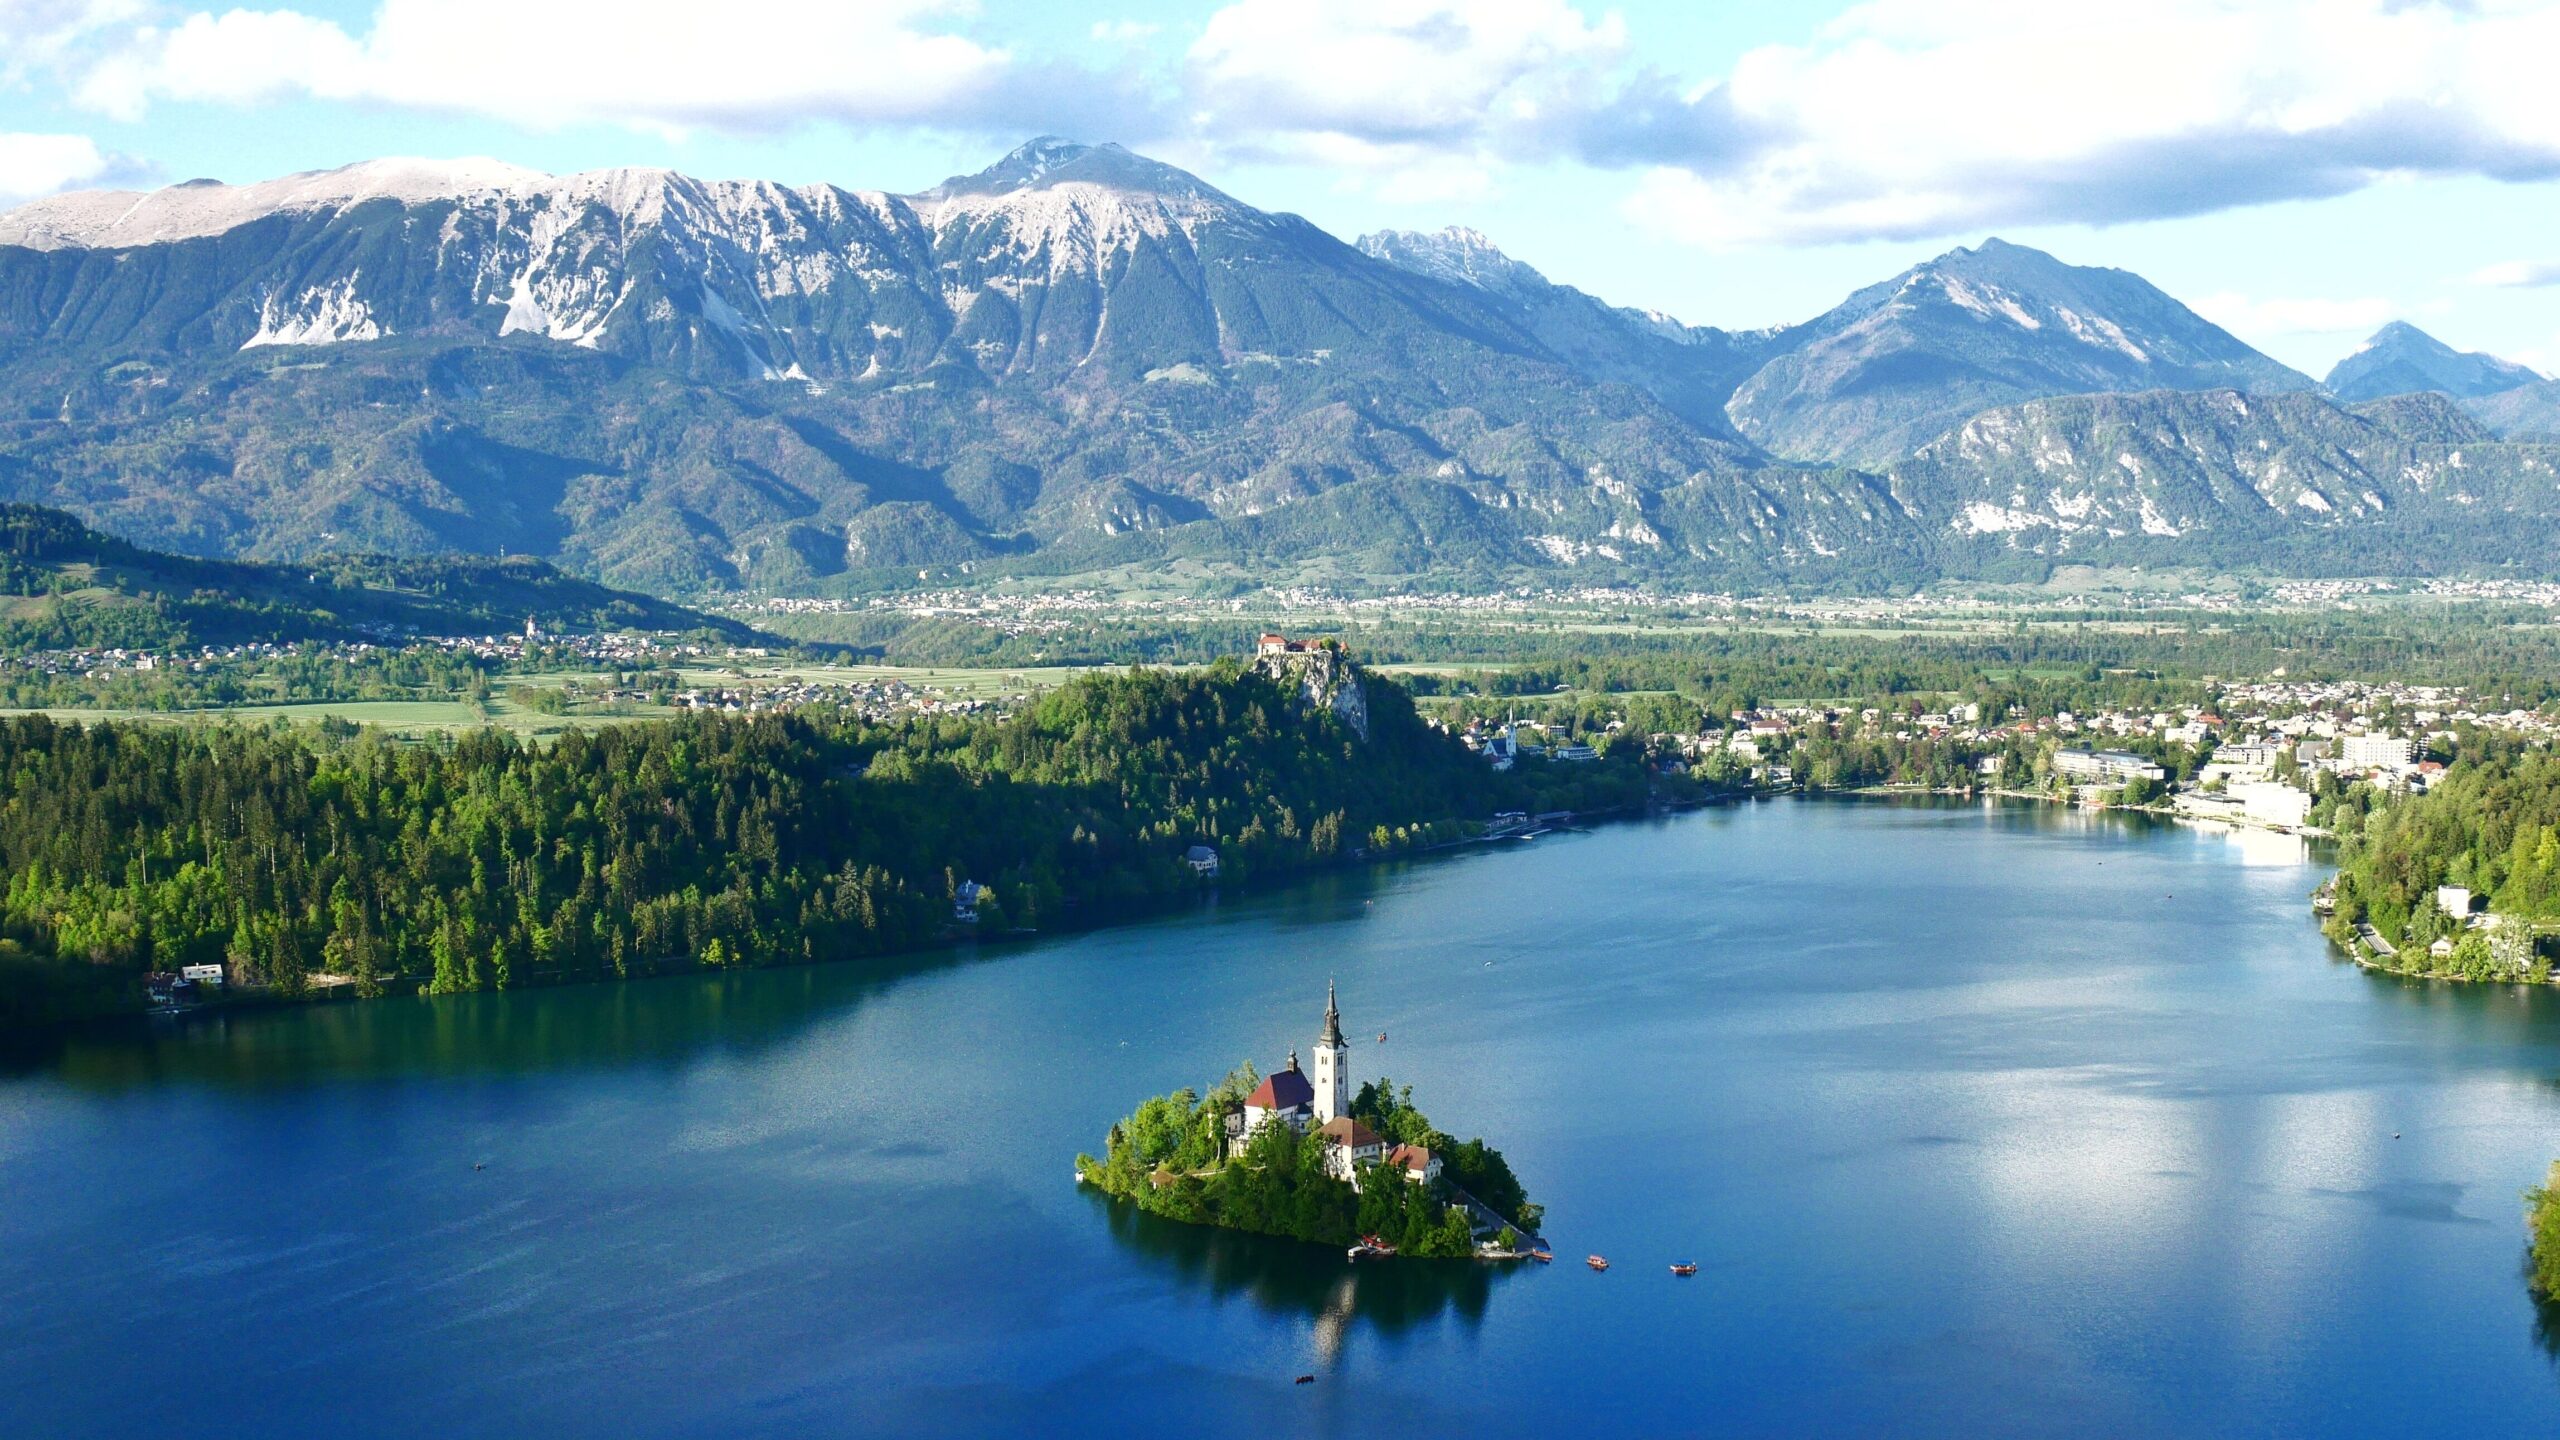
{"type": "Point", "coordinates": [964, 901]}
{"type": "Point", "coordinates": [1202, 860]}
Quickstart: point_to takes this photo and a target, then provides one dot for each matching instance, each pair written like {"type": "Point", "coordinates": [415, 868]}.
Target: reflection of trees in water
{"type": "Point", "coordinates": [664, 1020]}
{"type": "Point", "coordinates": [1292, 1278]}
{"type": "Point", "coordinates": [2546, 1313]}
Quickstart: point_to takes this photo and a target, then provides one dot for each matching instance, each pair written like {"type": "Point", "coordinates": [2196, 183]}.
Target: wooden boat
{"type": "Point", "coordinates": [1688, 1267]}
{"type": "Point", "coordinates": [1597, 1262]}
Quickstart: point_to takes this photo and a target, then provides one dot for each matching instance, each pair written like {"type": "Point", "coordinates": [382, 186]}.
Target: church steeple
{"type": "Point", "coordinates": [1333, 1081]}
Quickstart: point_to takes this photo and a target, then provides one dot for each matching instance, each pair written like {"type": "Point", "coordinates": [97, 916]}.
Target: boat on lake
{"type": "Point", "coordinates": [1597, 1262]}
{"type": "Point", "coordinates": [1685, 1267]}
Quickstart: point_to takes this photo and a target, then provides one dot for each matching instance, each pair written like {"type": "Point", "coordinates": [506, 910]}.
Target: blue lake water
{"type": "Point", "coordinates": [1979, 1120]}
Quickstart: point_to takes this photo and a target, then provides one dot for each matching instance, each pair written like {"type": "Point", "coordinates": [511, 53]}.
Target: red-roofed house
{"type": "Point", "coordinates": [1418, 1164]}
{"type": "Point", "coordinates": [1348, 1145]}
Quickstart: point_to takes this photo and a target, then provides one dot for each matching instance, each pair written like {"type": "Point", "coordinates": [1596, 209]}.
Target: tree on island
{"type": "Point", "coordinates": [1164, 1158]}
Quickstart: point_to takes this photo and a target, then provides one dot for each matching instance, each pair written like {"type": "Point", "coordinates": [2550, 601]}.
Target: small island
{"type": "Point", "coordinates": [1302, 1156]}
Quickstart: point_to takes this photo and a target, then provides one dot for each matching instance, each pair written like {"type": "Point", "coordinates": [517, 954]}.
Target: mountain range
{"type": "Point", "coordinates": [1081, 359]}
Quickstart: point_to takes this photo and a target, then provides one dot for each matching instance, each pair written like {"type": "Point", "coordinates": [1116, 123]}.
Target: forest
{"type": "Point", "coordinates": [2491, 824]}
{"type": "Point", "coordinates": [300, 857]}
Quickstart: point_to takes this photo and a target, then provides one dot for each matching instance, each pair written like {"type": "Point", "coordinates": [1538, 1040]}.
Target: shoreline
{"type": "Point", "coordinates": [957, 940]}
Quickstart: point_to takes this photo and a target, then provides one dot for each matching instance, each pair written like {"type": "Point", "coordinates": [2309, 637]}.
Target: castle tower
{"type": "Point", "coordinates": [1333, 1060]}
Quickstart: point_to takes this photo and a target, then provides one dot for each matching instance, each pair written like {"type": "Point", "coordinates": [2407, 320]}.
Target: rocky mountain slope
{"type": "Point", "coordinates": [2290, 482]}
{"type": "Point", "coordinates": [1895, 365]}
{"type": "Point", "coordinates": [2401, 359]}
{"type": "Point", "coordinates": [2512, 400]}
{"type": "Point", "coordinates": [674, 382]}
{"type": "Point", "coordinates": [1080, 358]}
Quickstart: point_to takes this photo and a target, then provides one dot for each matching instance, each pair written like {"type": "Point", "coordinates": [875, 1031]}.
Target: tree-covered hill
{"type": "Point", "coordinates": [701, 841]}
{"type": "Point", "coordinates": [64, 585]}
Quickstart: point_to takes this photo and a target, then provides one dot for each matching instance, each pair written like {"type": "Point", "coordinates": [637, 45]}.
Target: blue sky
{"type": "Point", "coordinates": [2300, 170]}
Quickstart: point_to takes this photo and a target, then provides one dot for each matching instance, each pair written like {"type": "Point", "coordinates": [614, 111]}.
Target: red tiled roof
{"type": "Point", "coordinates": [1343, 1130]}
{"type": "Point", "coordinates": [1409, 1157]}
{"type": "Point", "coordinates": [1282, 1090]}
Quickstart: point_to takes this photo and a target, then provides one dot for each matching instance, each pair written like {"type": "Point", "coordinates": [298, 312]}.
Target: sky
{"type": "Point", "coordinates": [2300, 171]}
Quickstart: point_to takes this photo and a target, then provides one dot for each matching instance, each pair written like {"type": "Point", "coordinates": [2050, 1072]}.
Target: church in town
{"type": "Point", "coordinates": [1322, 1102]}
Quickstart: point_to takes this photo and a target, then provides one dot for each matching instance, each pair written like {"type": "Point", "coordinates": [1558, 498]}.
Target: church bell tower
{"type": "Point", "coordinates": [1333, 1081]}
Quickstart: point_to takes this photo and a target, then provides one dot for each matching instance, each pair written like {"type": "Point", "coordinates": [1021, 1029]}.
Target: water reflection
{"type": "Point", "coordinates": [1292, 1279]}
{"type": "Point", "coordinates": [659, 1022]}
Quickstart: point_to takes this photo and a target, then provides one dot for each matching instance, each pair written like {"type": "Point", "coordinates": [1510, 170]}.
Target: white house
{"type": "Point", "coordinates": [1349, 1146]}
{"type": "Point", "coordinates": [1417, 1163]}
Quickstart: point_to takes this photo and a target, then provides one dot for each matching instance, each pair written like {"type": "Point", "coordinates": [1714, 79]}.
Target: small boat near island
{"type": "Point", "coordinates": [1372, 1247]}
{"type": "Point", "coordinates": [1685, 1267]}
{"type": "Point", "coordinates": [1597, 1262]}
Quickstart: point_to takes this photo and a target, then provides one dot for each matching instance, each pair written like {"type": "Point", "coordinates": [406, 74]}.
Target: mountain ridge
{"type": "Point", "coordinates": [1076, 358]}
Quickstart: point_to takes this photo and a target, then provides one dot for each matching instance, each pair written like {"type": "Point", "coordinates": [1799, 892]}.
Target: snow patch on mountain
{"type": "Point", "coordinates": [322, 315]}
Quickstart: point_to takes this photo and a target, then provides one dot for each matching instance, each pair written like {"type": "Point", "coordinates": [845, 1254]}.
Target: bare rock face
{"type": "Point", "coordinates": [1325, 679]}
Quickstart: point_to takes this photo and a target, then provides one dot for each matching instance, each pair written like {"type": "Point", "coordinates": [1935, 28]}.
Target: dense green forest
{"type": "Point", "coordinates": [2490, 824]}
{"type": "Point", "coordinates": [483, 862]}
{"type": "Point", "coordinates": [1164, 1157]}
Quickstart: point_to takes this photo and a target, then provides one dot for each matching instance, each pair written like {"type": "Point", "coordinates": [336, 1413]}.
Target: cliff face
{"type": "Point", "coordinates": [1325, 680]}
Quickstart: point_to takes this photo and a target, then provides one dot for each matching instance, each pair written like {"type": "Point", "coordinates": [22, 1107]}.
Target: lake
{"type": "Point", "coordinates": [1978, 1120]}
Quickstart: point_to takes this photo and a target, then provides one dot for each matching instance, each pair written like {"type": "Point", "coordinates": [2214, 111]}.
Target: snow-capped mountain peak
{"type": "Point", "coordinates": [113, 219]}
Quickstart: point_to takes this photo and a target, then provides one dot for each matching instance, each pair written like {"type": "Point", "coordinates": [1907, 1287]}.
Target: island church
{"type": "Point", "coordinates": [1291, 1097]}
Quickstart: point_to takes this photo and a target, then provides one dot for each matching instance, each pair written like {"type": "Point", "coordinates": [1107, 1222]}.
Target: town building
{"type": "Point", "coordinates": [2270, 803]}
{"type": "Point", "coordinates": [2374, 752]}
{"type": "Point", "coordinates": [2110, 765]}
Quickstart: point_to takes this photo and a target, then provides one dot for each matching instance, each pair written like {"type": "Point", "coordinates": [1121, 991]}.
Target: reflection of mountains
{"type": "Point", "coordinates": [662, 1021]}
{"type": "Point", "coordinates": [1292, 1278]}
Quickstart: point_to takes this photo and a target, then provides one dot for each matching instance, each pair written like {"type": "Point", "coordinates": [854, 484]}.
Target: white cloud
{"type": "Point", "coordinates": [1290, 76]}
{"type": "Point", "coordinates": [663, 65]}
{"type": "Point", "coordinates": [2274, 316]}
{"type": "Point", "coordinates": [1909, 119]}
{"type": "Point", "coordinates": [33, 165]}
{"type": "Point", "coordinates": [2515, 273]}
{"type": "Point", "coordinates": [37, 35]}
{"type": "Point", "coordinates": [1124, 32]}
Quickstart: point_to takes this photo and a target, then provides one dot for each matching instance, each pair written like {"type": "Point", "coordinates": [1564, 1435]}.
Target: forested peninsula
{"type": "Point", "coordinates": [2489, 828]}
{"type": "Point", "coordinates": [300, 858]}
